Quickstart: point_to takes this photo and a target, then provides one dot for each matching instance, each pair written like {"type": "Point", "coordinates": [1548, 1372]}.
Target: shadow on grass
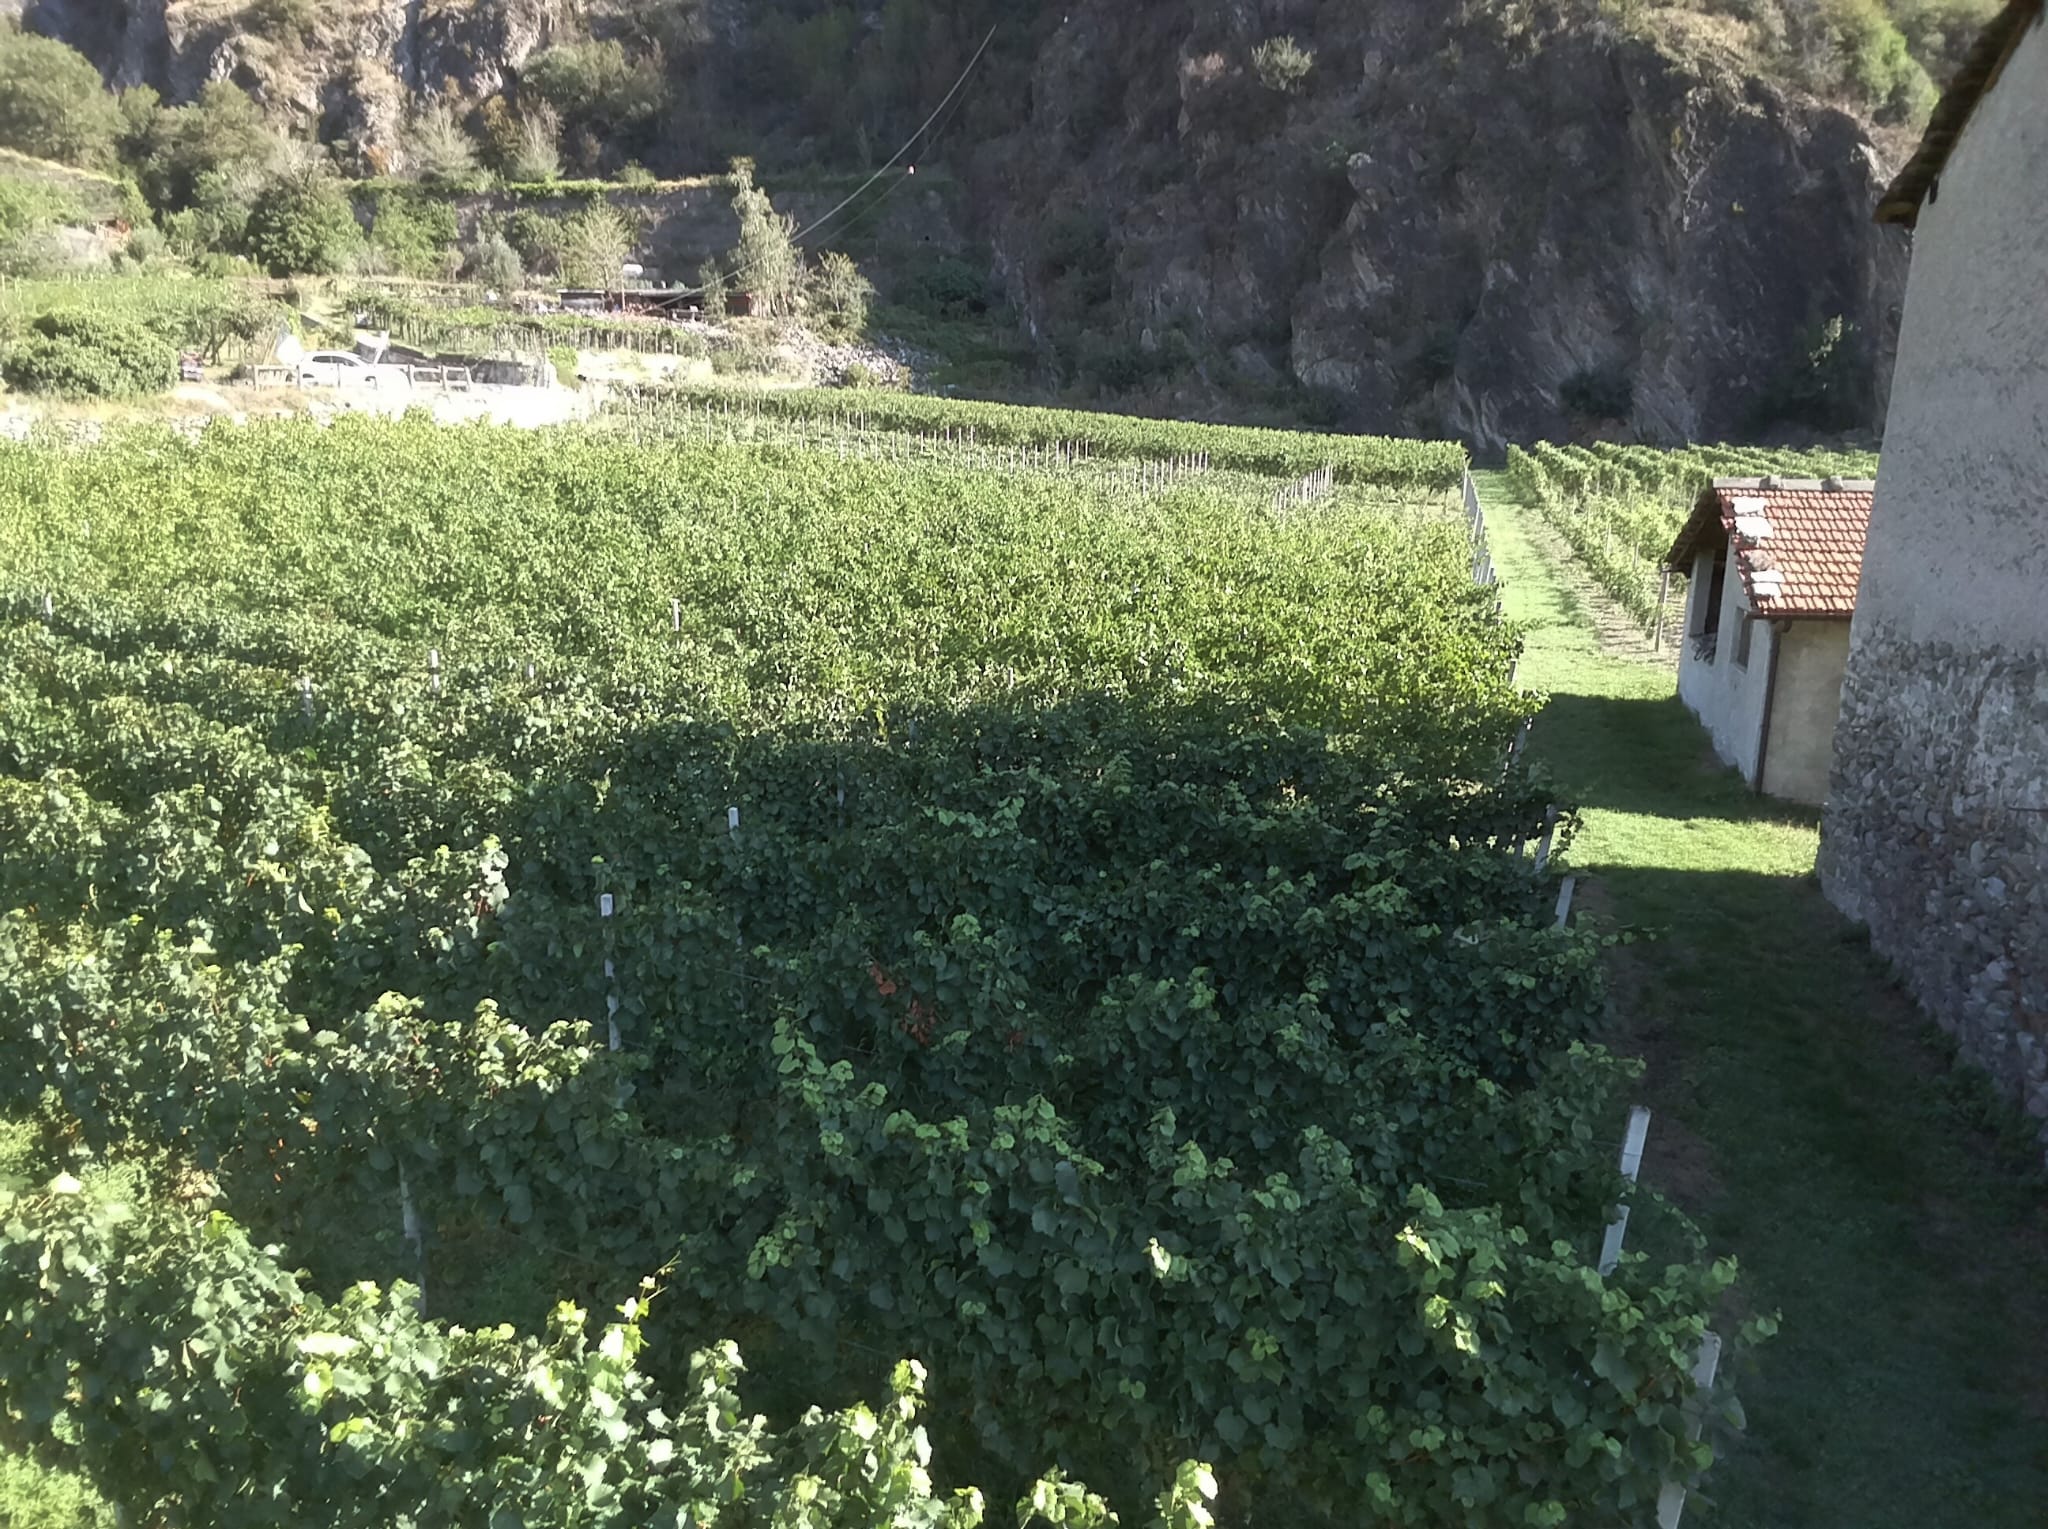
{"type": "Point", "coordinates": [1880, 1199]}
{"type": "Point", "coordinates": [1648, 756]}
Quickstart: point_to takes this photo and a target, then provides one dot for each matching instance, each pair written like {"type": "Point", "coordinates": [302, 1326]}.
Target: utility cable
{"type": "Point", "coordinates": [861, 190]}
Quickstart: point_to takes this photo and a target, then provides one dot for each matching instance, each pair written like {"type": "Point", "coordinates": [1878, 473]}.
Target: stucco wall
{"type": "Point", "coordinates": [1728, 698]}
{"type": "Point", "coordinates": [1812, 656]}
{"type": "Point", "coordinates": [1937, 827]}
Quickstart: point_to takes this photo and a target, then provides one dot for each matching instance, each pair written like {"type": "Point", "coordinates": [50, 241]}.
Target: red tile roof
{"type": "Point", "coordinates": [1803, 557]}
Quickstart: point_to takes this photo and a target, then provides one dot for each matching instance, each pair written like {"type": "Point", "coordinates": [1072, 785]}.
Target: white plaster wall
{"type": "Point", "coordinates": [1727, 698]}
{"type": "Point", "coordinates": [1958, 547]}
{"type": "Point", "coordinates": [1811, 658]}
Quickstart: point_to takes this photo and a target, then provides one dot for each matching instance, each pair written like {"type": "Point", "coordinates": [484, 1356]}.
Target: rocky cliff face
{"type": "Point", "coordinates": [1465, 218]}
{"type": "Point", "coordinates": [1503, 219]}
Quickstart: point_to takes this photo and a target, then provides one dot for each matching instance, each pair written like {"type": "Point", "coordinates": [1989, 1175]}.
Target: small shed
{"type": "Point", "coordinates": [1764, 651]}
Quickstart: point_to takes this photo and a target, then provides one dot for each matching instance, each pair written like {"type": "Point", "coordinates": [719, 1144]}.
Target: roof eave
{"type": "Point", "coordinates": [1916, 184]}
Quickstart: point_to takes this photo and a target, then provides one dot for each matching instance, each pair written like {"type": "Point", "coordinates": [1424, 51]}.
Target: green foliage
{"type": "Point", "coordinates": [302, 225]}
{"type": "Point", "coordinates": [436, 148]}
{"type": "Point", "coordinates": [1874, 62]}
{"type": "Point", "coordinates": [526, 148]}
{"type": "Point", "coordinates": [595, 245]}
{"type": "Point", "coordinates": [413, 234]}
{"type": "Point", "coordinates": [53, 104]}
{"type": "Point", "coordinates": [356, 1412]}
{"type": "Point", "coordinates": [1620, 507]}
{"type": "Point", "coordinates": [539, 239]}
{"type": "Point", "coordinates": [603, 95]}
{"type": "Point", "coordinates": [766, 262]}
{"type": "Point", "coordinates": [712, 298]}
{"type": "Point", "coordinates": [1282, 64]}
{"type": "Point", "coordinates": [1823, 386]}
{"type": "Point", "coordinates": [1287, 454]}
{"type": "Point", "coordinates": [1117, 986]}
{"type": "Point", "coordinates": [79, 353]}
{"type": "Point", "coordinates": [215, 151]}
{"type": "Point", "coordinates": [492, 262]}
{"type": "Point", "coordinates": [287, 21]}
{"type": "Point", "coordinates": [840, 295]}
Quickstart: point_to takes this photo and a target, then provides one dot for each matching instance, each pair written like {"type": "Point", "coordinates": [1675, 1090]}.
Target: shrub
{"type": "Point", "coordinates": [75, 353]}
{"type": "Point", "coordinates": [563, 359]}
{"type": "Point", "coordinates": [302, 225]}
{"type": "Point", "coordinates": [52, 103]}
{"type": "Point", "coordinates": [951, 288]}
{"type": "Point", "coordinates": [712, 280]}
{"type": "Point", "coordinates": [745, 356]}
{"type": "Point", "coordinates": [840, 294]}
{"type": "Point", "coordinates": [492, 262]}
{"type": "Point", "coordinates": [636, 175]}
{"type": "Point", "coordinates": [539, 239]}
{"type": "Point", "coordinates": [285, 21]}
{"type": "Point", "coordinates": [1282, 64]}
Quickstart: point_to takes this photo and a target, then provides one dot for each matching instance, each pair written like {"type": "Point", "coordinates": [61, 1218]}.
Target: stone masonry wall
{"type": "Point", "coordinates": [1937, 838]}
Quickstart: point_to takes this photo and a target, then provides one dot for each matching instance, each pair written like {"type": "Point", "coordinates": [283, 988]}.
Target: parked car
{"type": "Point", "coordinates": [342, 369]}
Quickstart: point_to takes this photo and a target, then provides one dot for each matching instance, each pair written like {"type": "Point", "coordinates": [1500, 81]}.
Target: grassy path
{"type": "Point", "coordinates": [1806, 1116]}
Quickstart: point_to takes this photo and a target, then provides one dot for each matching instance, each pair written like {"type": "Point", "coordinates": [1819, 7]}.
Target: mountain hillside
{"type": "Point", "coordinates": [1506, 219]}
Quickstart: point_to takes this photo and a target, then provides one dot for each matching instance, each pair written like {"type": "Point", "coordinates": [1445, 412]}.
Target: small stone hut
{"type": "Point", "coordinates": [1764, 649]}
{"type": "Point", "coordinates": [1936, 831]}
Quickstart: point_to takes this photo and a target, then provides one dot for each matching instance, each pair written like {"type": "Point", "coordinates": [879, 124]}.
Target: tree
{"type": "Point", "coordinates": [53, 104]}
{"type": "Point", "coordinates": [302, 224]}
{"type": "Point", "coordinates": [223, 133]}
{"type": "Point", "coordinates": [437, 150]}
{"type": "Point", "coordinates": [712, 280]}
{"type": "Point", "coordinates": [602, 95]}
{"type": "Point", "coordinates": [766, 261]}
{"type": "Point", "coordinates": [599, 241]}
{"type": "Point", "coordinates": [841, 293]}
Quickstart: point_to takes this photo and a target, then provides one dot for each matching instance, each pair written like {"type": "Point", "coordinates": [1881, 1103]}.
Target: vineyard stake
{"type": "Point", "coordinates": [1564, 900]}
{"type": "Point", "coordinates": [1671, 1501]}
{"type": "Point", "coordinates": [1543, 848]}
{"type": "Point", "coordinates": [1631, 1165]}
{"type": "Point", "coordinates": [434, 670]}
{"type": "Point", "coordinates": [605, 907]}
{"type": "Point", "coordinates": [306, 694]}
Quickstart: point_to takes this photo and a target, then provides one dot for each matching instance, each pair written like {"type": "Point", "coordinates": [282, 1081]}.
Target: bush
{"type": "Point", "coordinates": [539, 239]}
{"type": "Point", "coordinates": [1282, 64]}
{"type": "Point", "coordinates": [492, 262]}
{"type": "Point", "coordinates": [637, 176]}
{"type": "Point", "coordinates": [52, 103]}
{"type": "Point", "coordinates": [303, 225]}
{"type": "Point", "coordinates": [74, 353]}
{"type": "Point", "coordinates": [951, 288]}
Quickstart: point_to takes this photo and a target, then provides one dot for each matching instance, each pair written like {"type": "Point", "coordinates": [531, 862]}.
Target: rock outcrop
{"type": "Point", "coordinates": [1490, 220]}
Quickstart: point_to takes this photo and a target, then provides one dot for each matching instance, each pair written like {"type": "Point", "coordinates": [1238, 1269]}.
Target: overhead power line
{"type": "Point", "coordinates": [893, 160]}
